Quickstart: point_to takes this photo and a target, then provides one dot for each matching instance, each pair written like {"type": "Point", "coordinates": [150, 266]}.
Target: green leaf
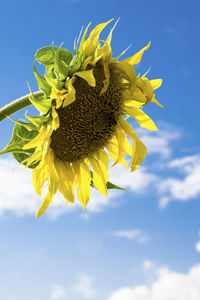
{"type": "Point", "coordinates": [42, 82]}
{"type": "Point", "coordinates": [20, 137]}
{"type": "Point", "coordinates": [108, 184]}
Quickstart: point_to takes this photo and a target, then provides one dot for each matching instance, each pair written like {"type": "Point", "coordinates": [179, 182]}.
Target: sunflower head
{"type": "Point", "coordinates": [87, 99]}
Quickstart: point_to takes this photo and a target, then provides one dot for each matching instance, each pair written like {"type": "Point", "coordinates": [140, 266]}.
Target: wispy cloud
{"type": "Point", "coordinates": [84, 287]}
{"type": "Point", "coordinates": [57, 292]}
{"type": "Point", "coordinates": [148, 265]}
{"type": "Point", "coordinates": [134, 234]}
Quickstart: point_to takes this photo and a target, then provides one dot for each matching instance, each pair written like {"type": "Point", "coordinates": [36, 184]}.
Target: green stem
{"type": "Point", "coordinates": [16, 105]}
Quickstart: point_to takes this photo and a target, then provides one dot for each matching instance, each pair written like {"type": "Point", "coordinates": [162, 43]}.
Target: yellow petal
{"type": "Point", "coordinates": [144, 85]}
{"type": "Point", "coordinates": [91, 43]}
{"type": "Point", "coordinates": [133, 103]}
{"type": "Point", "coordinates": [58, 96]}
{"type": "Point", "coordinates": [105, 52]}
{"type": "Point", "coordinates": [66, 180]}
{"type": "Point", "coordinates": [136, 58]}
{"type": "Point", "coordinates": [156, 102]}
{"type": "Point", "coordinates": [70, 96]}
{"type": "Point", "coordinates": [110, 34]}
{"type": "Point", "coordinates": [47, 200]}
{"type": "Point", "coordinates": [84, 192]}
{"type": "Point", "coordinates": [107, 78]}
{"type": "Point", "coordinates": [127, 147]}
{"type": "Point", "coordinates": [140, 117]}
{"type": "Point", "coordinates": [55, 117]}
{"type": "Point", "coordinates": [39, 177]}
{"type": "Point", "coordinates": [103, 159]}
{"type": "Point", "coordinates": [139, 149]}
{"type": "Point", "coordinates": [127, 71]}
{"type": "Point", "coordinates": [98, 176]}
{"type": "Point", "coordinates": [42, 137]}
{"type": "Point", "coordinates": [155, 83]}
{"type": "Point", "coordinates": [113, 151]}
{"type": "Point", "coordinates": [120, 135]}
{"type": "Point", "coordinates": [86, 62]}
{"type": "Point", "coordinates": [88, 76]}
{"type": "Point", "coordinates": [95, 60]}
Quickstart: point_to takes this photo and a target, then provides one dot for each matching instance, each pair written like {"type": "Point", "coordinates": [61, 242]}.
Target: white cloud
{"type": "Point", "coordinates": [173, 188]}
{"type": "Point", "coordinates": [84, 287]}
{"type": "Point", "coordinates": [160, 142]}
{"type": "Point", "coordinates": [168, 285]}
{"type": "Point", "coordinates": [134, 234]}
{"type": "Point", "coordinates": [17, 194]}
{"type": "Point", "coordinates": [16, 189]}
{"type": "Point", "coordinates": [57, 292]}
{"type": "Point", "coordinates": [197, 246]}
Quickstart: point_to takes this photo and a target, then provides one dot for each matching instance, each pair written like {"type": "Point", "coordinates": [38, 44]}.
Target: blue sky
{"type": "Point", "coordinates": [136, 244]}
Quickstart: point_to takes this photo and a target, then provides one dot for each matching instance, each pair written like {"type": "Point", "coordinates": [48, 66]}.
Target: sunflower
{"type": "Point", "coordinates": [83, 117]}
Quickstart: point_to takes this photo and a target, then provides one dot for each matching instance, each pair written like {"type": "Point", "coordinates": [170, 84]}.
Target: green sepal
{"type": "Point", "coordinates": [46, 55]}
{"type": "Point", "coordinates": [42, 82]}
{"type": "Point", "coordinates": [114, 186]}
{"type": "Point", "coordinates": [109, 185]}
{"type": "Point", "coordinates": [56, 83]}
{"type": "Point", "coordinates": [42, 103]}
{"type": "Point", "coordinates": [28, 125]}
{"type": "Point", "coordinates": [61, 67]}
{"type": "Point", "coordinates": [38, 121]}
{"type": "Point", "coordinates": [75, 64]}
{"type": "Point", "coordinates": [20, 137]}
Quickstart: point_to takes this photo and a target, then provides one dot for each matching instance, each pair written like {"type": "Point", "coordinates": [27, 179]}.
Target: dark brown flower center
{"type": "Point", "coordinates": [90, 121]}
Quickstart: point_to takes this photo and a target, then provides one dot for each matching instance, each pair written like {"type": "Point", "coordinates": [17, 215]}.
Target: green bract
{"type": "Point", "coordinates": [22, 133]}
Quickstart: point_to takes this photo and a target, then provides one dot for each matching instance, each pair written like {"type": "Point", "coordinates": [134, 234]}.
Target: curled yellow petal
{"type": "Point", "coordinates": [127, 71]}
{"type": "Point", "coordinates": [113, 150]}
{"type": "Point", "coordinates": [71, 92]}
{"type": "Point", "coordinates": [140, 117]}
{"type": "Point", "coordinates": [86, 62]}
{"type": "Point", "coordinates": [55, 118]}
{"type": "Point", "coordinates": [43, 136]}
{"type": "Point", "coordinates": [155, 83]}
{"type": "Point", "coordinates": [139, 149]}
{"type": "Point", "coordinates": [88, 76]}
{"type": "Point", "coordinates": [120, 135]}
{"type": "Point", "coordinates": [144, 85]}
{"type": "Point", "coordinates": [136, 58]}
